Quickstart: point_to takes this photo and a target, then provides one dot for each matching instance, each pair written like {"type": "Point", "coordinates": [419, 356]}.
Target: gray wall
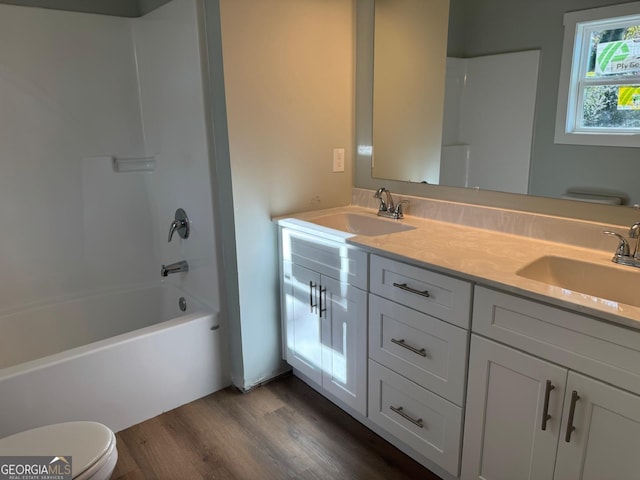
{"type": "Point", "coordinates": [120, 8]}
{"type": "Point", "coordinates": [484, 27]}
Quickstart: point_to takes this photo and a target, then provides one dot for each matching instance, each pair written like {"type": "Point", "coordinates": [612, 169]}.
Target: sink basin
{"type": "Point", "coordinates": [610, 282]}
{"type": "Point", "coordinates": [361, 224]}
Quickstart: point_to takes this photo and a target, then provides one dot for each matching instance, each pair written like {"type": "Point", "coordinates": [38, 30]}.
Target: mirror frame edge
{"type": "Point", "coordinates": [571, 209]}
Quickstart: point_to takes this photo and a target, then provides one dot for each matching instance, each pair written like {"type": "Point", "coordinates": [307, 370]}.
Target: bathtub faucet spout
{"type": "Point", "coordinates": [181, 266]}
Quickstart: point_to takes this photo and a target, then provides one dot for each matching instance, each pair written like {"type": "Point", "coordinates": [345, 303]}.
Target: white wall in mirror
{"type": "Point", "coordinates": [495, 154]}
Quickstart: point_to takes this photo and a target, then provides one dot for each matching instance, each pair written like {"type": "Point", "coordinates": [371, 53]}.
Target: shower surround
{"type": "Point", "coordinates": [78, 92]}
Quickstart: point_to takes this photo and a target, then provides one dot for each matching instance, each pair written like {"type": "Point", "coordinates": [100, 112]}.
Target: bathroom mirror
{"type": "Point", "coordinates": [502, 37]}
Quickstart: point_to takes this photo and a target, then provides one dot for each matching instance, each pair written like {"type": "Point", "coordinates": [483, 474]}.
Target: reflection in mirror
{"type": "Point", "coordinates": [488, 121]}
{"type": "Point", "coordinates": [481, 31]}
{"type": "Point", "coordinates": [481, 112]}
{"type": "Point", "coordinates": [408, 85]}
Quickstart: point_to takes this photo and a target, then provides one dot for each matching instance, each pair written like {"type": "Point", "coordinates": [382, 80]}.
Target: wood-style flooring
{"type": "Point", "coordinates": [281, 430]}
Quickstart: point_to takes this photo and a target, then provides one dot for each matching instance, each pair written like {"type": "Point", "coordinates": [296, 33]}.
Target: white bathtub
{"type": "Point", "coordinates": [117, 358]}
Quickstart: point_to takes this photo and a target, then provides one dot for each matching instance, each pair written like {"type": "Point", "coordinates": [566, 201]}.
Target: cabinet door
{"type": "Point", "coordinates": [303, 335]}
{"type": "Point", "coordinates": [503, 436]}
{"type": "Point", "coordinates": [344, 342]}
{"type": "Point", "coordinates": [606, 439]}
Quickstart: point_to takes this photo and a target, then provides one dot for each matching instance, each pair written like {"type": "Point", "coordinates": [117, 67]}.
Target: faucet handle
{"type": "Point", "coordinates": [623, 247]}
{"type": "Point", "coordinates": [180, 224]}
{"type": "Point", "coordinates": [175, 225]}
{"type": "Point", "coordinates": [398, 210]}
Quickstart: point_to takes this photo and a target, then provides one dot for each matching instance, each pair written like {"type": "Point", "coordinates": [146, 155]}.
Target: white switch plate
{"type": "Point", "coordinates": [338, 159]}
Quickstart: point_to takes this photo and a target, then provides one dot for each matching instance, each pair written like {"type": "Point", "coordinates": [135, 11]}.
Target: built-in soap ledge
{"type": "Point", "coordinates": [133, 164]}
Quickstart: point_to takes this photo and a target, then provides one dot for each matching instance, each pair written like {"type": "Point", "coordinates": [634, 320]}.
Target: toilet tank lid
{"type": "Point", "coordinates": [85, 442]}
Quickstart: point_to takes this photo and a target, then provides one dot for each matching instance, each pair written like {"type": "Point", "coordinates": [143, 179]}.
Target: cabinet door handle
{"type": "Point", "coordinates": [400, 411]}
{"type": "Point", "coordinates": [403, 286]}
{"type": "Point", "coordinates": [323, 291]}
{"type": "Point", "coordinates": [422, 352]}
{"type": "Point", "coordinates": [572, 410]}
{"type": "Point", "coordinates": [312, 287]}
{"type": "Point", "coordinates": [545, 411]}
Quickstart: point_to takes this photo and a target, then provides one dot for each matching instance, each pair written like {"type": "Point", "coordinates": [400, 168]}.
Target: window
{"type": "Point", "coordinates": [599, 92]}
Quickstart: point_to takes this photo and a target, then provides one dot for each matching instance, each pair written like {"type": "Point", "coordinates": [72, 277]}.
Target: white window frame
{"type": "Point", "coordinates": [568, 98]}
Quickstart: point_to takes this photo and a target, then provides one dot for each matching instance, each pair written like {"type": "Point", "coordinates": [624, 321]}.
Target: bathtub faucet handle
{"type": "Point", "coordinates": [180, 224]}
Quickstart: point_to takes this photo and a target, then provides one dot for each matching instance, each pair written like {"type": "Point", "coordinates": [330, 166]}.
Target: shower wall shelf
{"type": "Point", "coordinates": [134, 164]}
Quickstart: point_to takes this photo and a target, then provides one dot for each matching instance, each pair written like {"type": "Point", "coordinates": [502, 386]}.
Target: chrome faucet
{"type": "Point", "coordinates": [634, 232]}
{"type": "Point", "coordinates": [181, 266]}
{"type": "Point", "coordinates": [384, 206]}
{"type": "Point", "coordinates": [388, 208]}
{"type": "Point", "coordinates": [623, 255]}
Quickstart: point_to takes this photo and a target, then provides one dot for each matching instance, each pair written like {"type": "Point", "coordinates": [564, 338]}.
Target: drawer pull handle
{"type": "Point", "coordinates": [403, 286]}
{"type": "Point", "coordinates": [572, 410]}
{"type": "Point", "coordinates": [400, 411]}
{"type": "Point", "coordinates": [422, 352]}
{"type": "Point", "coordinates": [545, 411]}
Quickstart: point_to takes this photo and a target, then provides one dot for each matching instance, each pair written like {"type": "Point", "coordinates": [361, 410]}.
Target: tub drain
{"type": "Point", "coordinates": [182, 304]}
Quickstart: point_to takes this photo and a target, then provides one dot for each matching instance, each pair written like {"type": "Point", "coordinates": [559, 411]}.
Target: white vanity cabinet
{"type": "Point", "coordinates": [418, 339]}
{"type": "Point", "coordinates": [535, 411]}
{"type": "Point", "coordinates": [324, 301]}
{"type": "Point", "coordinates": [606, 439]}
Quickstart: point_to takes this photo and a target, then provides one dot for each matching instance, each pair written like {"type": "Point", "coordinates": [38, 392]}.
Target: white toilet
{"type": "Point", "coordinates": [91, 445]}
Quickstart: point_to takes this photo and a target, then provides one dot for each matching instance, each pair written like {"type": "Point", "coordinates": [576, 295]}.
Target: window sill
{"type": "Point", "coordinates": [595, 139]}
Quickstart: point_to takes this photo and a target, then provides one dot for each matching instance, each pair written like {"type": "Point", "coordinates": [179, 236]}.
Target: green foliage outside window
{"type": "Point", "coordinates": [600, 109]}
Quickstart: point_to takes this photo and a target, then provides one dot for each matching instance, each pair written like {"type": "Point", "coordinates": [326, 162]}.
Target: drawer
{"type": "Point", "coordinates": [424, 421]}
{"type": "Point", "coordinates": [333, 259]}
{"type": "Point", "coordinates": [422, 348]}
{"type": "Point", "coordinates": [579, 342]}
{"type": "Point", "coordinates": [435, 294]}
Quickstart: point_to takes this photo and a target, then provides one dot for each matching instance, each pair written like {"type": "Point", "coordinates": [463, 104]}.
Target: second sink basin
{"type": "Point", "coordinates": [361, 224]}
{"type": "Point", "coordinates": [610, 282]}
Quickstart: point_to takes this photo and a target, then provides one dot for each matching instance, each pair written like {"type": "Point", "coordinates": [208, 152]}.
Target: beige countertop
{"type": "Point", "coordinates": [488, 258]}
